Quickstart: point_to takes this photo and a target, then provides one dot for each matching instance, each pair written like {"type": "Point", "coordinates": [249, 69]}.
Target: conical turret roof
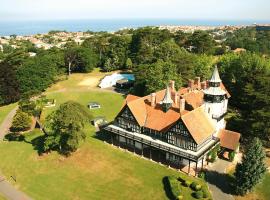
{"type": "Point", "coordinates": [215, 76]}
{"type": "Point", "coordinates": [167, 97]}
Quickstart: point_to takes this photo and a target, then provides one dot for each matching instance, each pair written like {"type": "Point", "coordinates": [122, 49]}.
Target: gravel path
{"type": "Point", "coordinates": [4, 127]}
{"type": "Point", "coordinates": [10, 192]}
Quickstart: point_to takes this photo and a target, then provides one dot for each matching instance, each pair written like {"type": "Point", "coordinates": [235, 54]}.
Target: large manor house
{"type": "Point", "coordinates": [176, 127]}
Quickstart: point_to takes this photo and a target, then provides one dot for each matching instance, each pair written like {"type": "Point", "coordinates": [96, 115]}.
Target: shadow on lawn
{"type": "Point", "coordinates": [167, 188]}
{"type": "Point", "coordinates": [102, 135]}
{"type": "Point", "coordinates": [36, 142]}
{"type": "Point", "coordinates": [221, 180]}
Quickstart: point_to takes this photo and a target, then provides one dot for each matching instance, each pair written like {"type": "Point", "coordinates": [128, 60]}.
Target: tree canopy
{"type": "Point", "coordinates": [248, 76]}
{"type": "Point", "coordinates": [65, 127]}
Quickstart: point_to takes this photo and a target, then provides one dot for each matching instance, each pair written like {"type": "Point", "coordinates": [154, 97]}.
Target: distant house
{"type": "Point", "coordinates": [179, 127]}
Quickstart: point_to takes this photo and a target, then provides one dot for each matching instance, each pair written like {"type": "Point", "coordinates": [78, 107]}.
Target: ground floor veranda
{"type": "Point", "coordinates": [186, 163]}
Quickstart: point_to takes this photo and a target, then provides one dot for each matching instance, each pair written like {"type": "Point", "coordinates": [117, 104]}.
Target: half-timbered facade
{"type": "Point", "coordinates": [179, 127]}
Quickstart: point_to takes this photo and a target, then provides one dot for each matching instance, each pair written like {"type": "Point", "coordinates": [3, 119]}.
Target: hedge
{"type": "Point", "coordinates": [174, 186]}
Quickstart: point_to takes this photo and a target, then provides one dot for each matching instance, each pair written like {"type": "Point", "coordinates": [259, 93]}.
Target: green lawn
{"type": "Point", "coordinates": [263, 189]}
{"type": "Point", "coordinates": [4, 110]}
{"type": "Point", "coordinates": [110, 102]}
{"type": "Point", "coordinates": [96, 171]}
{"type": "Point", "coordinates": [2, 198]}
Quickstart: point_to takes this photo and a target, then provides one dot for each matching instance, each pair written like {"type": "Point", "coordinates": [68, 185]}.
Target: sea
{"type": "Point", "coordinates": [34, 27]}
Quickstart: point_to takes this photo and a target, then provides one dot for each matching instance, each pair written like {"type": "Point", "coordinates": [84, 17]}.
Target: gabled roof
{"type": "Point", "coordinates": [195, 119]}
{"type": "Point", "coordinates": [194, 98]}
{"type": "Point", "coordinates": [156, 119]}
{"type": "Point", "coordinates": [229, 139]}
{"type": "Point", "coordinates": [198, 124]}
{"type": "Point", "coordinates": [137, 107]}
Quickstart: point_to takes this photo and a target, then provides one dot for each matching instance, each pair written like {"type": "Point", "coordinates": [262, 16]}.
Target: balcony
{"type": "Point", "coordinates": [158, 144]}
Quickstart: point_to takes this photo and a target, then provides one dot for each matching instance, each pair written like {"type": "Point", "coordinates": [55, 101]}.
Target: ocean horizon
{"type": "Point", "coordinates": [43, 26]}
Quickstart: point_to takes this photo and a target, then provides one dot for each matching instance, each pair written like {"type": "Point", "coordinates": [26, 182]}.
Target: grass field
{"type": "Point", "coordinates": [96, 171]}
{"type": "Point", "coordinates": [2, 198]}
{"type": "Point", "coordinates": [4, 110]}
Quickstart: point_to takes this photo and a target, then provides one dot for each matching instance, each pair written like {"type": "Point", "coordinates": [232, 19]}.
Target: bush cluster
{"type": "Point", "coordinates": [198, 194]}
{"type": "Point", "coordinates": [195, 186]}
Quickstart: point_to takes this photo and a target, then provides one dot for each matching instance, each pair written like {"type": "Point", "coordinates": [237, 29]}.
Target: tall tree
{"type": "Point", "coordinates": [252, 169]}
{"type": "Point", "coordinates": [202, 42]}
{"type": "Point", "coordinates": [153, 77]}
{"type": "Point", "coordinates": [9, 85]}
{"type": "Point", "coordinates": [21, 121]}
{"type": "Point", "coordinates": [248, 76]}
{"type": "Point", "coordinates": [80, 59]}
{"type": "Point", "coordinates": [65, 126]}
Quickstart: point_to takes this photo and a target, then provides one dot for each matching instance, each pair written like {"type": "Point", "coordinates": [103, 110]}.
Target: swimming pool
{"type": "Point", "coordinates": [109, 81]}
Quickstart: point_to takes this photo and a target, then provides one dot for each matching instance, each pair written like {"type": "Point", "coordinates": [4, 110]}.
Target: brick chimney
{"type": "Point", "coordinates": [153, 99]}
{"type": "Point", "coordinates": [182, 104]}
{"type": "Point", "coordinates": [198, 82]}
{"type": "Point", "coordinates": [172, 85]}
{"type": "Point", "coordinates": [203, 85]}
{"type": "Point", "coordinates": [191, 84]}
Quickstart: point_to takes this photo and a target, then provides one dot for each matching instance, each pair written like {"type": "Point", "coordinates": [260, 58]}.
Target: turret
{"type": "Point", "coordinates": [215, 100]}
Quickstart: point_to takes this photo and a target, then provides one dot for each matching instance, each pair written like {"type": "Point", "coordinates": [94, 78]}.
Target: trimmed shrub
{"type": "Point", "coordinates": [205, 192]}
{"type": "Point", "coordinates": [180, 197]}
{"type": "Point", "coordinates": [198, 187]}
{"type": "Point", "coordinates": [195, 186]}
{"type": "Point", "coordinates": [201, 175]}
{"type": "Point", "coordinates": [198, 194]}
{"type": "Point", "coordinates": [174, 186]}
{"type": "Point", "coordinates": [231, 155]}
{"type": "Point", "coordinates": [187, 183]}
{"type": "Point", "coordinates": [182, 180]}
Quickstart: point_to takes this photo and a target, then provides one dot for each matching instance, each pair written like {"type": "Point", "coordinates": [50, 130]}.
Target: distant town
{"type": "Point", "coordinates": [60, 38]}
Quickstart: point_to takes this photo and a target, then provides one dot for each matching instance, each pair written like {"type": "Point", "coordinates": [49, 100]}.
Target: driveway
{"type": "Point", "coordinates": [11, 193]}
{"type": "Point", "coordinates": [217, 180]}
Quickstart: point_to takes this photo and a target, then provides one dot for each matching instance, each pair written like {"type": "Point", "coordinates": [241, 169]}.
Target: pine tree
{"type": "Point", "coordinates": [252, 169]}
{"type": "Point", "coordinates": [21, 121]}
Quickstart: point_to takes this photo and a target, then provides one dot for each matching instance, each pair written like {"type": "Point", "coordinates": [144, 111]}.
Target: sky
{"type": "Point", "coordinates": [110, 9]}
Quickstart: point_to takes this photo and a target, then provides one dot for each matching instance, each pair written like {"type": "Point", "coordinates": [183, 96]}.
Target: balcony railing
{"type": "Point", "coordinates": [158, 145]}
{"type": "Point", "coordinates": [219, 117]}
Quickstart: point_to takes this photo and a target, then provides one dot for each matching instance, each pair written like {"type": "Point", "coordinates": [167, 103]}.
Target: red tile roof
{"type": "Point", "coordinates": [197, 121]}
{"type": "Point", "coordinates": [229, 139]}
{"type": "Point", "coordinates": [198, 124]}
